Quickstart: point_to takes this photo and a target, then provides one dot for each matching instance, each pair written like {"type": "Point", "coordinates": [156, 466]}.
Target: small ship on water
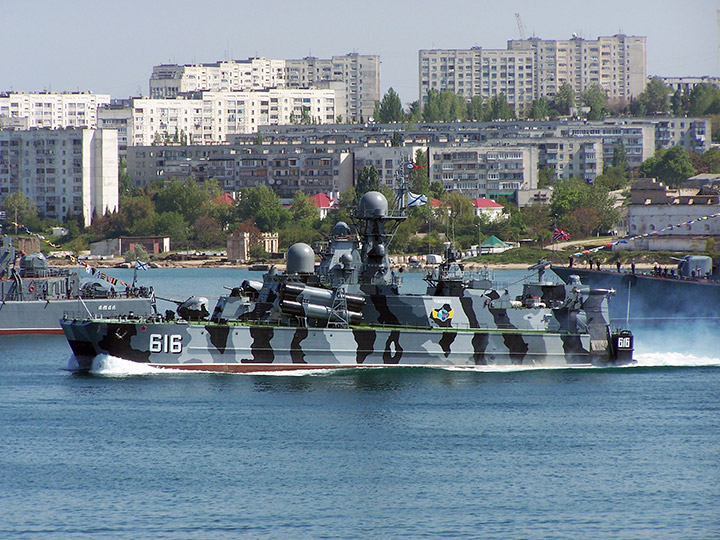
{"type": "Point", "coordinates": [348, 312]}
{"type": "Point", "coordinates": [686, 295]}
{"type": "Point", "coordinates": [34, 296]}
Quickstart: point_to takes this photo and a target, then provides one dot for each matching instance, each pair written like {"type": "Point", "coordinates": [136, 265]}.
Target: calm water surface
{"type": "Point", "coordinates": [129, 452]}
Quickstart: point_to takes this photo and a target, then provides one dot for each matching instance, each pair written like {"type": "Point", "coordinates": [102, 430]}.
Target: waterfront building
{"type": "Point", "coordinates": [654, 207]}
{"type": "Point", "coordinates": [52, 110]}
{"type": "Point", "coordinates": [64, 172]}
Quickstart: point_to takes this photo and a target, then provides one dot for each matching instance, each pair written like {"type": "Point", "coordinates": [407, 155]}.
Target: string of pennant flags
{"type": "Point", "coordinates": [88, 268]}
{"type": "Point", "coordinates": [644, 235]}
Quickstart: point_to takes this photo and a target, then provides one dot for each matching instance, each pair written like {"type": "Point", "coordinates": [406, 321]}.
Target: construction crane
{"type": "Point", "coordinates": [521, 28]}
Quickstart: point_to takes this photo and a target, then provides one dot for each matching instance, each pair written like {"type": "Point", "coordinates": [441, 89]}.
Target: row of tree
{"type": "Point", "coordinates": [657, 98]}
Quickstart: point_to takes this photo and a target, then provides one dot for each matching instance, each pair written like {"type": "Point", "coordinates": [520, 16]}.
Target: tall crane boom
{"type": "Point", "coordinates": [521, 28]}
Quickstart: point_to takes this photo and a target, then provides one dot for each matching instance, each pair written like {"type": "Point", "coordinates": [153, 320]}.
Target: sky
{"type": "Point", "coordinates": [111, 47]}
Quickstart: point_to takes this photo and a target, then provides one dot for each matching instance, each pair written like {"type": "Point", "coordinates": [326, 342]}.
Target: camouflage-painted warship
{"type": "Point", "coordinates": [35, 296]}
{"type": "Point", "coordinates": [349, 312]}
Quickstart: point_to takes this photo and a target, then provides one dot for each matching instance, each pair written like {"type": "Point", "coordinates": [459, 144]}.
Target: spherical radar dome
{"type": "Point", "coordinates": [373, 205]}
{"type": "Point", "coordinates": [341, 229]}
{"type": "Point", "coordinates": [300, 259]}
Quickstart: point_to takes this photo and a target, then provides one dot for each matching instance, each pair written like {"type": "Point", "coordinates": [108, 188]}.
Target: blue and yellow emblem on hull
{"type": "Point", "coordinates": [443, 316]}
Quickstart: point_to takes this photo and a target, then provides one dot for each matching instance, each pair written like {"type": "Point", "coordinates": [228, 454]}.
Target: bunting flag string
{"type": "Point", "coordinates": [644, 235]}
{"type": "Point", "coordinates": [89, 269]}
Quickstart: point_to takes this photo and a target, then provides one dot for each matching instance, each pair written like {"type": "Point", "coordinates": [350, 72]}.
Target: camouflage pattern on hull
{"type": "Point", "coordinates": [214, 347]}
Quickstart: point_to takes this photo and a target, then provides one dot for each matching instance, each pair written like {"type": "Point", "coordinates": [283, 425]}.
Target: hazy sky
{"type": "Point", "coordinates": [111, 47]}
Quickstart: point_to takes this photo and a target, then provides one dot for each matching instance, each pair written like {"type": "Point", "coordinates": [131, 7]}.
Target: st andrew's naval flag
{"type": "Point", "coordinates": [559, 234]}
{"type": "Point", "coordinates": [415, 200]}
{"type": "Point", "coordinates": [139, 265]}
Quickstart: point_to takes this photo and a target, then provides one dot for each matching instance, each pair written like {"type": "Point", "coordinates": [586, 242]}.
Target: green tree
{"type": "Point", "coordinates": [655, 99]}
{"type": "Point", "coordinates": [437, 190]}
{"type": "Point", "coordinates": [595, 98]}
{"type": "Point", "coordinates": [672, 166]}
{"type": "Point", "coordinates": [701, 100]}
{"type": "Point", "coordinates": [397, 139]}
{"type": "Point", "coordinates": [619, 157]}
{"type": "Point", "coordinates": [498, 109]}
{"type": "Point", "coordinates": [19, 208]}
{"type": "Point", "coordinates": [262, 206]}
{"type": "Point", "coordinates": [390, 108]}
{"type": "Point", "coordinates": [368, 180]}
{"type": "Point", "coordinates": [539, 109]}
{"type": "Point", "coordinates": [476, 109]}
{"type": "Point", "coordinates": [582, 209]}
{"type": "Point", "coordinates": [546, 177]}
{"type": "Point", "coordinates": [418, 178]}
{"type": "Point", "coordinates": [565, 99]}
{"type": "Point", "coordinates": [613, 178]}
{"type": "Point", "coordinates": [303, 211]}
{"type": "Point", "coordinates": [173, 224]}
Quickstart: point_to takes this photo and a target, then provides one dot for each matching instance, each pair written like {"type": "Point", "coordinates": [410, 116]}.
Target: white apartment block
{"type": "Point", "coordinates": [616, 63]}
{"type": "Point", "coordinates": [63, 171]}
{"type": "Point", "coordinates": [212, 117]}
{"type": "Point", "coordinates": [479, 72]}
{"type": "Point", "coordinates": [532, 68]}
{"type": "Point", "coordinates": [485, 171]}
{"type": "Point", "coordinates": [53, 110]}
{"type": "Point", "coordinates": [358, 74]}
{"type": "Point", "coordinates": [169, 80]}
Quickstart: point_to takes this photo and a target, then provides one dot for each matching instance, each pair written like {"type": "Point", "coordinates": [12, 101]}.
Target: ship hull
{"type": "Point", "coordinates": [644, 301]}
{"type": "Point", "coordinates": [43, 316]}
{"type": "Point", "coordinates": [231, 348]}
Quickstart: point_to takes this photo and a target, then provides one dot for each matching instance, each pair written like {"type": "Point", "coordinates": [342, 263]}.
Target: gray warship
{"type": "Point", "coordinates": [349, 312]}
{"type": "Point", "coordinates": [34, 296]}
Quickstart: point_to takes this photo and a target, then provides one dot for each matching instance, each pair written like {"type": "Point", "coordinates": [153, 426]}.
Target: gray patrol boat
{"type": "Point", "coordinates": [34, 296]}
{"type": "Point", "coordinates": [349, 312]}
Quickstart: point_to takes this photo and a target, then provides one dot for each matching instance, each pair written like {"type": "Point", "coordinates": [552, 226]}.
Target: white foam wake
{"type": "Point", "coordinates": [674, 359]}
{"type": "Point", "coordinates": [106, 365]}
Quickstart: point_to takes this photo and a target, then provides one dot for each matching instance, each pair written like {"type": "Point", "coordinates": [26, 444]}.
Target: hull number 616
{"type": "Point", "coordinates": [166, 343]}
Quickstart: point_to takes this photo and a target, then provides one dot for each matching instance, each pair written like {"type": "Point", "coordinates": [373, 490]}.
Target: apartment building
{"type": "Point", "coordinates": [532, 68]}
{"type": "Point", "coordinates": [616, 63]}
{"type": "Point", "coordinates": [286, 170]}
{"type": "Point", "coordinates": [478, 72]}
{"type": "Point", "coordinates": [356, 78]}
{"type": "Point", "coordinates": [638, 138]}
{"type": "Point", "coordinates": [64, 172]}
{"type": "Point", "coordinates": [53, 110]}
{"type": "Point", "coordinates": [485, 171]}
{"type": "Point", "coordinates": [685, 85]}
{"type": "Point", "coordinates": [213, 117]}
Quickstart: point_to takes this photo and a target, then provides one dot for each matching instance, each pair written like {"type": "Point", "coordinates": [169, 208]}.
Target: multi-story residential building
{"type": "Point", "coordinates": [478, 72]}
{"type": "Point", "coordinates": [53, 110]}
{"type": "Point", "coordinates": [532, 68]}
{"type": "Point", "coordinates": [63, 171]}
{"type": "Point", "coordinates": [357, 79]}
{"type": "Point", "coordinates": [310, 169]}
{"type": "Point", "coordinates": [638, 138]}
{"type": "Point", "coordinates": [616, 63]}
{"type": "Point", "coordinates": [685, 85]}
{"type": "Point", "coordinates": [118, 116]}
{"type": "Point", "coordinates": [570, 158]}
{"type": "Point", "coordinates": [693, 134]}
{"type": "Point", "coordinates": [213, 117]}
{"type": "Point", "coordinates": [485, 171]}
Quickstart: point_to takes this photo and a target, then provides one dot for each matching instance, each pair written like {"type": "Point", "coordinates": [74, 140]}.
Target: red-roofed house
{"type": "Point", "coordinates": [225, 198]}
{"type": "Point", "coordinates": [489, 208]}
{"type": "Point", "coordinates": [323, 202]}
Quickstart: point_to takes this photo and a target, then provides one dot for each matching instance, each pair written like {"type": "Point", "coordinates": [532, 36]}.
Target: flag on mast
{"type": "Point", "coordinates": [559, 234]}
{"type": "Point", "coordinates": [415, 200]}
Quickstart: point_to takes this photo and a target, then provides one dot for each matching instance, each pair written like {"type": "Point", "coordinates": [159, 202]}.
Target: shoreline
{"type": "Point", "coordinates": [217, 263]}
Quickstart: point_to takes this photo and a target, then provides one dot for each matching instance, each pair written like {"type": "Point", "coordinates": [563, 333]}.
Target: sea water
{"type": "Point", "coordinates": [135, 452]}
